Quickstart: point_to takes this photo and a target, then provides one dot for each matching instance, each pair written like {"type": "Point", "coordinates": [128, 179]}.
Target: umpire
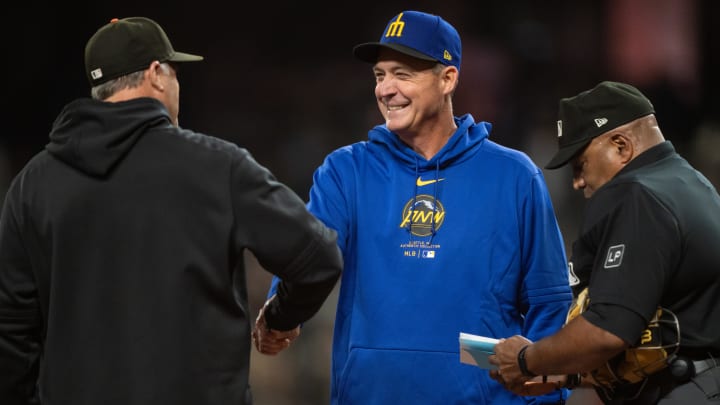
{"type": "Point", "coordinates": [648, 239]}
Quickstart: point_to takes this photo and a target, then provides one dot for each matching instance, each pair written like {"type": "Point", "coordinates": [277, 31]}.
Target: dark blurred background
{"type": "Point", "coordinates": [279, 78]}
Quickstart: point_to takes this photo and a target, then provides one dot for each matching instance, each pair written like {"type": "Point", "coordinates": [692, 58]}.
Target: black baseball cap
{"type": "Point", "coordinates": [128, 45]}
{"type": "Point", "coordinates": [594, 112]}
{"type": "Point", "coordinates": [418, 34]}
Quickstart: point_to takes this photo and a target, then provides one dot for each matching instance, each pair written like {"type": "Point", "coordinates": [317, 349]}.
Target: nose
{"type": "Point", "coordinates": [578, 183]}
{"type": "Point", "coordinates": [385, 87]}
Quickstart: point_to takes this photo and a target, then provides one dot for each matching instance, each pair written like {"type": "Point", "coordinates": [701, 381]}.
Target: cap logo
{"type": "Point", "coordinates": [395, 28]}
{"type": "Point", "coordinates": [96, 74]}
{"type": "Point", "coordinates": [446, 55]}
{"type": "Point", "coordinates": [600, 121]}
{"type": "Point", "coordinates": [559, 125]}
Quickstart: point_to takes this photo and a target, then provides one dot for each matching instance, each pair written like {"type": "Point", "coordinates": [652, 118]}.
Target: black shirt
{"type": "Point", "coordinates": [650, 237]}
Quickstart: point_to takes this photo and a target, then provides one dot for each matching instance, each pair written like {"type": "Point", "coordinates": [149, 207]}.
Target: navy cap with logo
{"type": "Point", "coordinates": [128, 45]}
{"type": "Point", "coordinates": [595, 112]}
{"type": "Point", "coordinates": [420, 35]}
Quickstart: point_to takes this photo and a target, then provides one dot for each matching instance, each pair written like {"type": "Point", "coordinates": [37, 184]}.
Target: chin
{"type": "Point", "coordinates": [395, 124]}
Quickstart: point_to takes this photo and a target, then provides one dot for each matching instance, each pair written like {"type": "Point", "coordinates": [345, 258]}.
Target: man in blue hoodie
{"type": "Point", "coordinates": [442, 231]}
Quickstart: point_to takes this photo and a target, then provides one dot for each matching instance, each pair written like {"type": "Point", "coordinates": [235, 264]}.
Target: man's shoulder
{"type": "Point", "coordinates": [209, 142]}
{"type": "Point", "coordinates": [509, 157]}
{"type": "Point", "coordinates": [348, 153]}
{"type": "Point", "coordinates": [618, 193]}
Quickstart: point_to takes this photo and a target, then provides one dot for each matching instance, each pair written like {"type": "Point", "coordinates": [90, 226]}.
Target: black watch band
{"type": "Point", "coordinates": [523, 364]}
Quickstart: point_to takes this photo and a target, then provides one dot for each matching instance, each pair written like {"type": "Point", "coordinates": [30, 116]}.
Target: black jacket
{"type": "Point", "coordinates": [121, 262]}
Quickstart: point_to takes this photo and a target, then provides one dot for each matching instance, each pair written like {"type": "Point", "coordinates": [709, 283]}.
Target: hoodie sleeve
{"type": "Point", "coordinates": [545, 290]}
{"type": "Point", "coordinates": [20, 320]}
{"type": "Point", "coordinates": [273, 223]}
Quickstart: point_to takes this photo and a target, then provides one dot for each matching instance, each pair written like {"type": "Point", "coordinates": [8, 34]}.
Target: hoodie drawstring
{"type": "Point", "coordinates": [435, 188]}
{"type": "Point", "coordinates": [433, 225]}
{"type": "Point", "coordinates": [415, 192]}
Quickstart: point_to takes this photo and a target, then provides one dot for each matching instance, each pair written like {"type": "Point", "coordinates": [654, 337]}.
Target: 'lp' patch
{"type": "Point", "coordinates": [614, 256]}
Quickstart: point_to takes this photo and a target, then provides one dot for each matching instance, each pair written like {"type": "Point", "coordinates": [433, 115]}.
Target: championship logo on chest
{"type": "Point", "coordinates": [423, 215]}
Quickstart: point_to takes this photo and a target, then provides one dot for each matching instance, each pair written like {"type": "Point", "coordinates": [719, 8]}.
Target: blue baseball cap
{"type": "Point", "coordinates": [420, 35]}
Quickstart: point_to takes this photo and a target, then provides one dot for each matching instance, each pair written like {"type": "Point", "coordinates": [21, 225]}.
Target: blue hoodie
{"type": "Point", "coordinates": [464, 242]}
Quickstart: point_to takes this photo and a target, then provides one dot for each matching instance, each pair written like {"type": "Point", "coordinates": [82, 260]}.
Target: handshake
{"type": "Point", "coordinates": [270, 341]}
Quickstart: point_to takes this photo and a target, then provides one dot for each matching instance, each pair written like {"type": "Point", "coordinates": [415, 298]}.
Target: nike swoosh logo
{"type": "Point", "coordinates": [421, 182]}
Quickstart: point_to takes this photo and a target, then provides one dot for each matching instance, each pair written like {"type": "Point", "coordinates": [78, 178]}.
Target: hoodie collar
{"type": "Point", "coordinates": [93, 136]}
{"type": "Point", "coordinates": [468, 136]}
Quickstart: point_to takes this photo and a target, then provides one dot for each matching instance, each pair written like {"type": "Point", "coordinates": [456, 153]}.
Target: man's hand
{"type": "Point", "coordinates": [508, 371]}
{"type": "Point", "coordinates": [269, 341]}
{"type": "Point", "coordinates": [542, 385]}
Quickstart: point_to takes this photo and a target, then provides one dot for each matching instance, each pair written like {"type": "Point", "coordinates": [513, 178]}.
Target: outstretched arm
{"type": "Point", "coordinates": [578, 347]}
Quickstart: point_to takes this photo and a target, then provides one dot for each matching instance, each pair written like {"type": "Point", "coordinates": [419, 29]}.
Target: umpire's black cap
{"type": "Point", "coordinates": [594, 112]}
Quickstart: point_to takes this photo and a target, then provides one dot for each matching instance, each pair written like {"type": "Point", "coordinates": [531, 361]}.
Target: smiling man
{"type": "Point", "coordinates": [464, 238]}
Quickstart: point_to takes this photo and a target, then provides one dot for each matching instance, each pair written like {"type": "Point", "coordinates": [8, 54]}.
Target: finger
{"type": "Point", "coordinates": [270, 348]}
{"type": "Point", "coordinates": [270, 345]}
{"type": "Point", "coordinates": [536, 388]}
{"type": "Point", "coordinates": [288, 334]}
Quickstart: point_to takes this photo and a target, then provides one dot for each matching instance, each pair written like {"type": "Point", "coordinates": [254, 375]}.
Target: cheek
{"type": "Point", "coordinates": [599, 173]}
{"type": "Point", "coordinates": [610, 164]}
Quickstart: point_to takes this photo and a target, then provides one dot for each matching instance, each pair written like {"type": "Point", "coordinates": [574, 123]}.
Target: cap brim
{"type": "Point", "coordinates": [368, 52]}
{"type": "Point", "coordinates": [565, 154]}
{"type": "Point", "coordinates": [184, 57]}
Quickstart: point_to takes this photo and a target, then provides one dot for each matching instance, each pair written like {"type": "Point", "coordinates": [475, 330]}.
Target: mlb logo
{"type": "Point", "coordinates": [614, 256]}
{"type": "Point", "coordinates": [428, 254]}
{"type": "Point", "coordinates": [96, 74]}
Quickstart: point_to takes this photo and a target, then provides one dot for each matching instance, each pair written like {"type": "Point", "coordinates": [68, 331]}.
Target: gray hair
{"type": "Point", "coordinates": [107, 89]}
{"type": "Point", "coordinates": [438, 67]}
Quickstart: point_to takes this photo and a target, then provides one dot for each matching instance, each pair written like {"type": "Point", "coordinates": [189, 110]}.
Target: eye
{"type": "Point", "coordinates": [577, 165]}
{"type": "Point", "coordinates": [402, 74]}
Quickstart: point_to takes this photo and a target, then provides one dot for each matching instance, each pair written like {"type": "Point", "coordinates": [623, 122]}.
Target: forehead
{"type": "Point", "coordinates": [592, 146]}
{"type": "Point", "coordinates": [388, 57]}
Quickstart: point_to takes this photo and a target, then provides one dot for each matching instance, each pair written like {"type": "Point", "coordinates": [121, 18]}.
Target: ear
{"type": "Point", "coordinates": [624, 147]}
{"type": "Point", "coordinates": [450, 78]}
{"type": "Point", "coordinates": [154, 76]}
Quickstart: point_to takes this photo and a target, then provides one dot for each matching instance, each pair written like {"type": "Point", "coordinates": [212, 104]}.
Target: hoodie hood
{"type": "Point", "coordinates": [94, 136]}
{"type": "Point", "coordinates": [463, 143]}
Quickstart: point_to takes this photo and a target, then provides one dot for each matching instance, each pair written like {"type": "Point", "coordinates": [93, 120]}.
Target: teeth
{"type": "Point", "coordinates": [394, 108]}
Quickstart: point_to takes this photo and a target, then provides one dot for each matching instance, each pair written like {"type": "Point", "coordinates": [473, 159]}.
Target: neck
{"type": "Point", "coordinates": [429, 142]}
{"type": "Point", "coordinates": [647, 135]}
